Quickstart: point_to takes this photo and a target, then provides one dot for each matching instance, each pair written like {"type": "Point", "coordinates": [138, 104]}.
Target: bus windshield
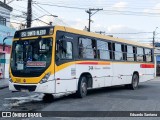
{"type": "Point", "coordinates": [31, 56]}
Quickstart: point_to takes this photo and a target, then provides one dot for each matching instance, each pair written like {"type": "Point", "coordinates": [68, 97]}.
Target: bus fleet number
{"type": "Point", "coordinates": [90, 67]}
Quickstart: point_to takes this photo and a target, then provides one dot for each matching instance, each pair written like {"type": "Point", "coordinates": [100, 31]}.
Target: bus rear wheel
{"type": "Point", "coordinates": [82, 87]}
{"type": "Point", "coordinates": [135, 82]}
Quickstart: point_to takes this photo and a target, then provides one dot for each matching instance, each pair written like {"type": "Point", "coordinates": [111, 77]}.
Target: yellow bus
{"type": "Point", "coordinates": [60, 60]}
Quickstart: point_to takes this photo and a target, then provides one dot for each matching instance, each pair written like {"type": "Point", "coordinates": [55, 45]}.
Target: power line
{"type": "Point", "coordinates": [89, 4]}
{"type": "Point", "coordinates": [43, 9]}
{"type": "Point", "coordinates": [131, 33]}
{"type": "Point", "coordinates": [10, 1]}
{"type": "Point", "coordinates": [61, 6]}
{"type": "Point", "coordinates": [48, 12]}
{"type": "Point", "coordinates": [122, 12]}
{"type": "Point", "coordinates": [138, 38]}
{"type": "Point", "coordinates": [40, 11]}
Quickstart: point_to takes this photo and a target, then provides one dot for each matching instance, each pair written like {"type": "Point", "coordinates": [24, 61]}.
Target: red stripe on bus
{"type": "Point", "coordinates": [147, 65]}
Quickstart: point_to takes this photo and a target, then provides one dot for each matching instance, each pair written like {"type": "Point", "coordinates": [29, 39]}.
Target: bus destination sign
{"type": "Point", "coordinates": [33, 33]}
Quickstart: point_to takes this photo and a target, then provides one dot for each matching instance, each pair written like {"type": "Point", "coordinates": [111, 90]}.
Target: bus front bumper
{"type": "Point", "coordinates": [48, 87]}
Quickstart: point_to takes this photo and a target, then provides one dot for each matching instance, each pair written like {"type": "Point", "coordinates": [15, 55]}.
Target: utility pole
{"type": "Point", "coordinates": [153, 38]}
{"type": "Point", "coordinates": [29, 13]}
{"type": "Point", "coordinates": [4, 1]}
{"type": "Point", "coordinates": [154, 34]}
{"type": "Point", "coordinates": [90, 15]}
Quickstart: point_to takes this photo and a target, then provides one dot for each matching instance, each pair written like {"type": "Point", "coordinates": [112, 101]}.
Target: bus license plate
{"type": "Point", "coordinates": [24, 90]}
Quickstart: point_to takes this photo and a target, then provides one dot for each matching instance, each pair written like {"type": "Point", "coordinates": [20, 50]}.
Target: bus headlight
{"type": "Point", "coordinates": [45, 78]}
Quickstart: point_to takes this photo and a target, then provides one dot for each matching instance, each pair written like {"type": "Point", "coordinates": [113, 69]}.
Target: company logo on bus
{"type": "Point", "coordinates": [24, 81]}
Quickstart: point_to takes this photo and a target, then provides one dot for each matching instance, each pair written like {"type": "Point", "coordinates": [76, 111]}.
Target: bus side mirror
{"type": "Point", "coordinates": [4, 46]}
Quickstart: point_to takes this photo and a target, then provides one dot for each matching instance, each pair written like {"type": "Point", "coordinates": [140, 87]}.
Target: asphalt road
{"type": "Point", "coordinates": [145, 98]}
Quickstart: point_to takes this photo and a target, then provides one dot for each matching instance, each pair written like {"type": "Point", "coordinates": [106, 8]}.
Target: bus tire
{"type": "Point", "coordinates": [135, 82]}
{"type": "Point", "coordinates": [82, 87]}
{"type": "Point", "coordinates": [48, 98]}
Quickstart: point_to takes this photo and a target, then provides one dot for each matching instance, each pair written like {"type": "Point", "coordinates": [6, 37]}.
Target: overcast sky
{"type": "Point", "coordinates": [118, 16]}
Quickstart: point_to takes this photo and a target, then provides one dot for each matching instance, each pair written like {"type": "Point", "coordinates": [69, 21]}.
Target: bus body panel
{"type": "Point", "coordinates": [66, 79]}
{"type": "Point", "coordinates": [101, 73]}
{"type": "Point", "coordinates": [123, 73]}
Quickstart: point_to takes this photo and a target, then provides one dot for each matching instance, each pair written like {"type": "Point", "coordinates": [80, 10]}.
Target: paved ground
{"type": "Point", "coordinates": [146, 98]}
{"type": "Point", "coordinates": [3, 83]}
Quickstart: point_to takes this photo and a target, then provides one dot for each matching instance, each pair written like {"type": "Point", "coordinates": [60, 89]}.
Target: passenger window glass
{"type": "Point", "coordinates": [102, 48]}
{"type": "Point", "coordinates": [86, 48]}
{"type": "Point", "coordinates": [140, 54]}
{"type": "Point", "coordinates": [118, 47]}
{"type": "Point", "coordinates": [130, 55]}
{"type": "Point", "coordinates": [129, 49]}
{"type": "Point", "coordinates": [148, 55]}
{"type": "Point", "coordinates": [118, 52]}
{"type": "Point", "coordinates": [64, 50]}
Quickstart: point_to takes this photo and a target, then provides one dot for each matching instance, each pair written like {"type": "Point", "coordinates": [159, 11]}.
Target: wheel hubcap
{"type": "Point", "coordinates": [135, 81]}
{"type": "Point", "coordinates": [84, 88]}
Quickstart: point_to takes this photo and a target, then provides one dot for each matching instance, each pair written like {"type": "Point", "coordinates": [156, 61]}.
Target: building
{"type": "Point", "coordinates": [5, 33]}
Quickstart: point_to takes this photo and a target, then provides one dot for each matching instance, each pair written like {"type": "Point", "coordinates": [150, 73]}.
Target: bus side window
{"type": "Point", "coordinates": [148, 55]}
{"type": "Point", "coordinates": [130, 53]}
{"type": "Point", "coordinates": [102, 50]}
{"type": "Point", "coordinates": [118, 52]}
{"type": "Point", "coordinates": [64, 50]}
{"type": "Point", "coordinates": [86, 50]}
{"type": "Point", "coordinates": [140, 54]}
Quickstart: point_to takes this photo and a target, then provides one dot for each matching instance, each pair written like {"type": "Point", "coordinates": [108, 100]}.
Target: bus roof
{"type": "Point", "coordinates": [91, 34]}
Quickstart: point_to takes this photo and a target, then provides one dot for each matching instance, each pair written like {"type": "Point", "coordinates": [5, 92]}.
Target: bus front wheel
{"type": "Point", "coordinates": [135, 82]}
{"type": "Point", "coordinates": [48, 98]}
{"type": "Point", "coordinates": [82, 87]}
